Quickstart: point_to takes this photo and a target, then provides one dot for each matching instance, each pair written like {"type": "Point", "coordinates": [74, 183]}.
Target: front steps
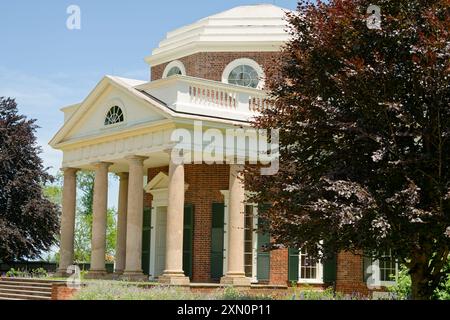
{"type": "Point", "coordinates": [25, 289]}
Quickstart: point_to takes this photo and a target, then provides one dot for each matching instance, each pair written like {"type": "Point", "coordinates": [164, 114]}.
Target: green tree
{"type": "Point", "coordinates": [365, 134]}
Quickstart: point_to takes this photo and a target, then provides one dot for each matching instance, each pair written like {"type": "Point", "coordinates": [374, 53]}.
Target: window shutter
{"type": "Point", "coordinates": [217, 245]}
{"type": "Point", "coordinates": [188, 234]}
{"type": "Point", "coordinates": [263, 254]}
{"type": "Point", "coordinates": [329, 266]}
{"type": "Point", "coordinates": [293, 264]}
{"type": "Point", "coordinates": [146, 230]}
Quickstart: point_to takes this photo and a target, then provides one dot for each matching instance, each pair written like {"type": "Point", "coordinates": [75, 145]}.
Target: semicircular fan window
{"type": "Point", "coordinates": [114, 115]}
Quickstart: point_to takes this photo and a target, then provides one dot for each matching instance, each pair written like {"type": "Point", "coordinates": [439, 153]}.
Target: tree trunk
{"type": "Point", "coordinates": [421, 287]}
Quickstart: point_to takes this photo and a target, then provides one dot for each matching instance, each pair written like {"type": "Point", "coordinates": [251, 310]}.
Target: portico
{"type": "Point", "coordinates": [188, 221]}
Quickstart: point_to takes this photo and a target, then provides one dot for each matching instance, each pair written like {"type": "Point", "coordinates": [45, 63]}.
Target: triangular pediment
{"type": "Point", "coordinates": [159, 183]}
{"type": "Point", "coordinates": [88, 120]}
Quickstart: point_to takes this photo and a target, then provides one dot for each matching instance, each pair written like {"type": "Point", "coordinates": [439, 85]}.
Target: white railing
{"type": "Point", "coordinates": [210, 96]}
{"type": "Point", "coordinates": [207, 97]}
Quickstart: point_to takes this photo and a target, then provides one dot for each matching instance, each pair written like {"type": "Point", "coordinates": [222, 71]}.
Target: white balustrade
{"type": "Point", "coordinates": [207, 97]}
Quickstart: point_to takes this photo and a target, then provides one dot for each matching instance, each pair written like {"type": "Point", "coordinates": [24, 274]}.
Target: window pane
{"type": "Point", "coordinates": [174, 71]}
{"type": "Point", "coordinates": [244, 76]}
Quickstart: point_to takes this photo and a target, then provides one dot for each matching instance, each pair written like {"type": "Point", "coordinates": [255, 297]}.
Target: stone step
{"type": "Point", "coordinates": [30, 280]}
{"type": "Point", "coordinates": [20, 290]}
{"type": "Point", "coordinates": [25, 287]}
{"type": "Point", "coordinates": [2, 298]}
{"type": "Point", "coordinates": [23, 296]}
{"type": "Point", "coordinates": [26, 284]}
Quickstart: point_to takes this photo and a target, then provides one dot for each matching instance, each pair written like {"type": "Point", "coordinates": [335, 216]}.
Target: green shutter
{"type": "Point", "coordinates": [329, 266]}
{"type": "Point", "coordinates": [263, 254]}
{"type": "Point", "coordinates": [188, 236]}
{"type": "Point", "coordinates": [217, 245]}
{"type": "Point", "coordinates": [293, 264]}
{"type": "Point", "coordinates": [329, 270]}
{"type": "Point", "coordinates": [146, 230]}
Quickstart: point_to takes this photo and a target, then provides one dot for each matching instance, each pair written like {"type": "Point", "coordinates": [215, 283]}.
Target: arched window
{"type": "Point", "coordinates": [114, 115]}
{"type": "Point", "coordinates": [244, 75]}
{"type": "Point", "coordinates": [244, 72]}
{"type": "Point", "coordinates": [174, 68]}
{"type": "Point", "coordinates": [174, 71]}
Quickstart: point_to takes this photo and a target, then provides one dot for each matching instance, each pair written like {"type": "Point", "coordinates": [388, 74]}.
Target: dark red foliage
{"type": "Point", "coordinates": [28, 221]}
{"type": "Point", "coordinates": [365, 134]}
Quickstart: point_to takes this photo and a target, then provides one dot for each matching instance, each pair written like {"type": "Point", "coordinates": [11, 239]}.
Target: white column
{"type": "Point", "coordinates": [100, 206]}
{"type": "Point", "coordinates": [173, 273]}
{"type": "Point", "coordinates": [135, 216]}
{"type": "Point", "coordinates": [121, 242]}
{"type": "Point", "coordinates": [67, 220]}
{"type": "Point", "coordinates": [235, 274]}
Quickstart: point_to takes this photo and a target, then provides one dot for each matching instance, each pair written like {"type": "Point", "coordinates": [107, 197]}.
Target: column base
{"type": "Point", "coordinates": [174, 279]}
{"type": "Point", "coordinates": [237, 280]}
{"type": "Point", "coordinates": [133, 276]}
{"type": "Point", "coordinates": [96, 274]}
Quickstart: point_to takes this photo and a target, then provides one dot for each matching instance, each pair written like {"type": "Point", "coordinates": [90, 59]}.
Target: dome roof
{"type": "Point", "coordinates": [246, 28]}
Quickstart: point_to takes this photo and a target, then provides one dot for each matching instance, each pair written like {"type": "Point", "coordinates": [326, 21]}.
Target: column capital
{"type": "Point", "coordinates": [69, 170]}
{"type": "Point", "coordinates": [135, 158]}
{"type": "Point", "coordinates": [101, 164]}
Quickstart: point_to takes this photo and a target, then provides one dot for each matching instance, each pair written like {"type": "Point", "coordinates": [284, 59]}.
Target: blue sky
{"type": "Point", "coordinates": [46, 66]}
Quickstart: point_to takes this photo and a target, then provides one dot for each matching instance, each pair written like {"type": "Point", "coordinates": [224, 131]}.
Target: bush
{"type": "Point", "coordinates": [402, 289]}
{"type": "Point", "coordinates": [34, 273]}
{"type": "Point", "coordinates": [327, 294]}
{"type": "Point", "coordinates": [13, 273]}
{"type": "Point", "coordinates": [113, 290]}
{"type": "Point", "coordinates": [39, 273]}
{"type": "Point", "coordinates": [110, 290]}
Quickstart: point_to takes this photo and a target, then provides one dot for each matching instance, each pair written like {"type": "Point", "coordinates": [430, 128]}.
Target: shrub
{"type": "Point", "coordinates": [39, 273]}
{"type": "Point", "coordinates": [327, 294]}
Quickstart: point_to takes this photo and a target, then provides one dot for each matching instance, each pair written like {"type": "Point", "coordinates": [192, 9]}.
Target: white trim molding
{"type": "Point", "coordinates": [319, 271]}
{"type": "Point", "coordinates": [173, 64]}
{"type": "Point", "coordinates": [248, 62]}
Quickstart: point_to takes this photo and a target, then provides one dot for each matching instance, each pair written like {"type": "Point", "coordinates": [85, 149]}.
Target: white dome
{"type": "Point", "coordinates": [245, 28]}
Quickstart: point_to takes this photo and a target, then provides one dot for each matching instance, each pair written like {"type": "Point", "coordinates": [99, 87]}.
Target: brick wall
{"type": "Point", "coordinates": [62, 292]}
{"type": "Point", "coordinates": [279, 267]}
{"type": "Point", "coordinates": [349, 276]}
{"type": "Point", "coordinates": [210, 65]}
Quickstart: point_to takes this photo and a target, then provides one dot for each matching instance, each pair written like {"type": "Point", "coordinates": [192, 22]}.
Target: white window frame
{"type": "Point", "coordinates": [375, 275]}
{"type": "Point", "coordinates": [173, 64]}
{"type": "Point", "coordinates": [107, 107]}
{"type": "Point", "coordinates": [319, 272]}
{"type": "Point", "coordinates": [244, 61]}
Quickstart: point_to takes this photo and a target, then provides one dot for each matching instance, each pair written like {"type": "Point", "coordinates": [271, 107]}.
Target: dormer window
{"type": "Point", "coordinates": [174, 68]}
{"type": "Point", "coordinates": [114, 115]}
{"type": "Point", "coordinates": [244, 72]}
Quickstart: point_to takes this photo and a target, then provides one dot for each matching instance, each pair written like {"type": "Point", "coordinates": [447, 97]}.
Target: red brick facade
{"type": "Point", "coordinates": [279, 267]}
{"type": "Point", "coordinates": [349, 277]}
{"type": "Point", "coordinates": [205, 183]}
{"type": "Point", "coordinates": [210, 65]}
